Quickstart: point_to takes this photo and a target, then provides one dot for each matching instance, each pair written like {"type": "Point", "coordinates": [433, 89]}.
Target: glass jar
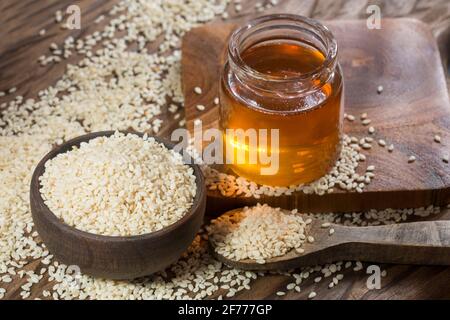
{"type": "Point", "coordinates": [282, 84]}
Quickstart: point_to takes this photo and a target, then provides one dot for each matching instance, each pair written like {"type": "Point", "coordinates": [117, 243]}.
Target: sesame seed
{"type": "Point", "coordinates": [281, 293]}
{"type": "Point", "coordinates": [366, 122]}
{"type": "Point", "coordinates": [363, 116]}
{"type": "Point", "coordinates": [358, 266]}
{"type": "Point", "coordinates": [382, 143]}
{"type": "Point", "coordinates": [391, 148]}
{"type": "Point", "coordinates": [411, 159]}
{"type": "Point", "coordinates": [198, 90]}
{"type": "Point", "coordinates": [350, 117]}
{"type": "Point", "coordinates": [200, 107]}
{"type": "Point", "coordinates": [42, 32]}
{"type": "Point", "coordinates": [312, 295]}
{"type": "Point", "coordinates": [331, 231]}
{"type": "Point", "coordinates": [216, 101]}
{"type": "Point", "coordinates": [371, 130]}
{"type": "Point", "coordinates": [437, 139]}
{"type": "Point", "coordinates": [326, 225]}
{"type": "Point", "coordinates": [291, 286]}
{"type": "Point", "coordinates": [445, 158]}
{"type": "Point", "coordinates": [380, 89]}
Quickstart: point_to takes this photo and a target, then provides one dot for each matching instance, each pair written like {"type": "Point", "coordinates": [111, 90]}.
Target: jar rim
{"type": "Point", "coordinates": [320, 29]}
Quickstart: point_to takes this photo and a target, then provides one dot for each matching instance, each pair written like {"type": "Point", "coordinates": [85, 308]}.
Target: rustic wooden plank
{"type": "Point", "coordinates": [20, 46]}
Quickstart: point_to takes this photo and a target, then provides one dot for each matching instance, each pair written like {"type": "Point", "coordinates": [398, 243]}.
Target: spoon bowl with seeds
{"type": "Point", "coordinates": [236, 245]}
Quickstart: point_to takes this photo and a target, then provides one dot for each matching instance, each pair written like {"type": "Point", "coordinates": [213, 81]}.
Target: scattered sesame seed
{"type": "Point", "coordinates": [358, 266]}
{"type": "Point", "coordinates": [331, 232]}
{"type": "Point", "coordinates": [366, 122]}
{"type": "Point", "coordinates": [198, 90]}
{"type": "Point", "coordinates": [200, 107]}
{"type": "Point", "coordinates": [42, 32]}
{"type": "Point", "coordinates": [312, 295]}
{"type": "Point", "coordinates": [382, 143]}
{"type": "Point", "coordinates": [437, 139]}
{"type": "Point", "coordinates": [411, 159]}
{"type": "Point", "coordinates": [380, 89]}
{"type": "Point", "coordinates": [446, 158]}
{"type": "Point", "coordinates": [371, 130]}
{"type": "Point", "coordinates": [350, 117]}
{"type": "Point", "coordinates": [216, 101]}
{"type": "Point", "coordinates": [326, 225]}
{"type": "Point", "coordinates": [363, 116]}
{"type": "Point", "coordinates": [291, 286]}
{"type": "Point", "coordinates": [391, 148]}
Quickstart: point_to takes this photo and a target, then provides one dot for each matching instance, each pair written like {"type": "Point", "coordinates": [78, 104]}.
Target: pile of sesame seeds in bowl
{"type": "Point", "coordinates": [121, 185]}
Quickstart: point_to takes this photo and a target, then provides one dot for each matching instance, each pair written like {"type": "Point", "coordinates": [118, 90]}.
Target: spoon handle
{"type": "Point", "coordinates": [406, 243]}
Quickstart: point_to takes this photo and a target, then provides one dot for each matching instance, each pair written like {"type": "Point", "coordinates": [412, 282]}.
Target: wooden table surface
{"type": "Point", "coordinates": [21, 45]}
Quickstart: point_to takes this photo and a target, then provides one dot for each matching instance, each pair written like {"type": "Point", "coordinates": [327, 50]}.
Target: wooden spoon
{"type": "Point", "coordinates": [422, 243]}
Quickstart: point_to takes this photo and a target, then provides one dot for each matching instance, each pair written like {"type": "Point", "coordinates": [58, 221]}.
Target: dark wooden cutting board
{"type": "Point", "coordinates": [403, 57]}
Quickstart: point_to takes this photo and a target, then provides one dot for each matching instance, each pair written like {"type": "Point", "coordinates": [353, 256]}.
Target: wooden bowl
{"type": "Point", "coordinates": [109, 256]}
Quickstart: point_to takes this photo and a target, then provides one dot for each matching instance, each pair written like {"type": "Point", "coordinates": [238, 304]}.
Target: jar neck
{"type": "Point", "coordinates": [283, 27]}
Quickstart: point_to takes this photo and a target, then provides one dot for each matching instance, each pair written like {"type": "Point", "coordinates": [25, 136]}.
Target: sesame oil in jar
{"type": "Point", "coordinates": [286, 82]}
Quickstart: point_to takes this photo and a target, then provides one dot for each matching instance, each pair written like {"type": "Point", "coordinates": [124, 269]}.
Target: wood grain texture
{"type": "Point", "coordinates": [114, 257]}
{"type": "Point", "coordinates": [419, 243]}
{"type": "Point", "coordinates": [20, 47]}
{"type": "Point", "coordinates": [413, 107]}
